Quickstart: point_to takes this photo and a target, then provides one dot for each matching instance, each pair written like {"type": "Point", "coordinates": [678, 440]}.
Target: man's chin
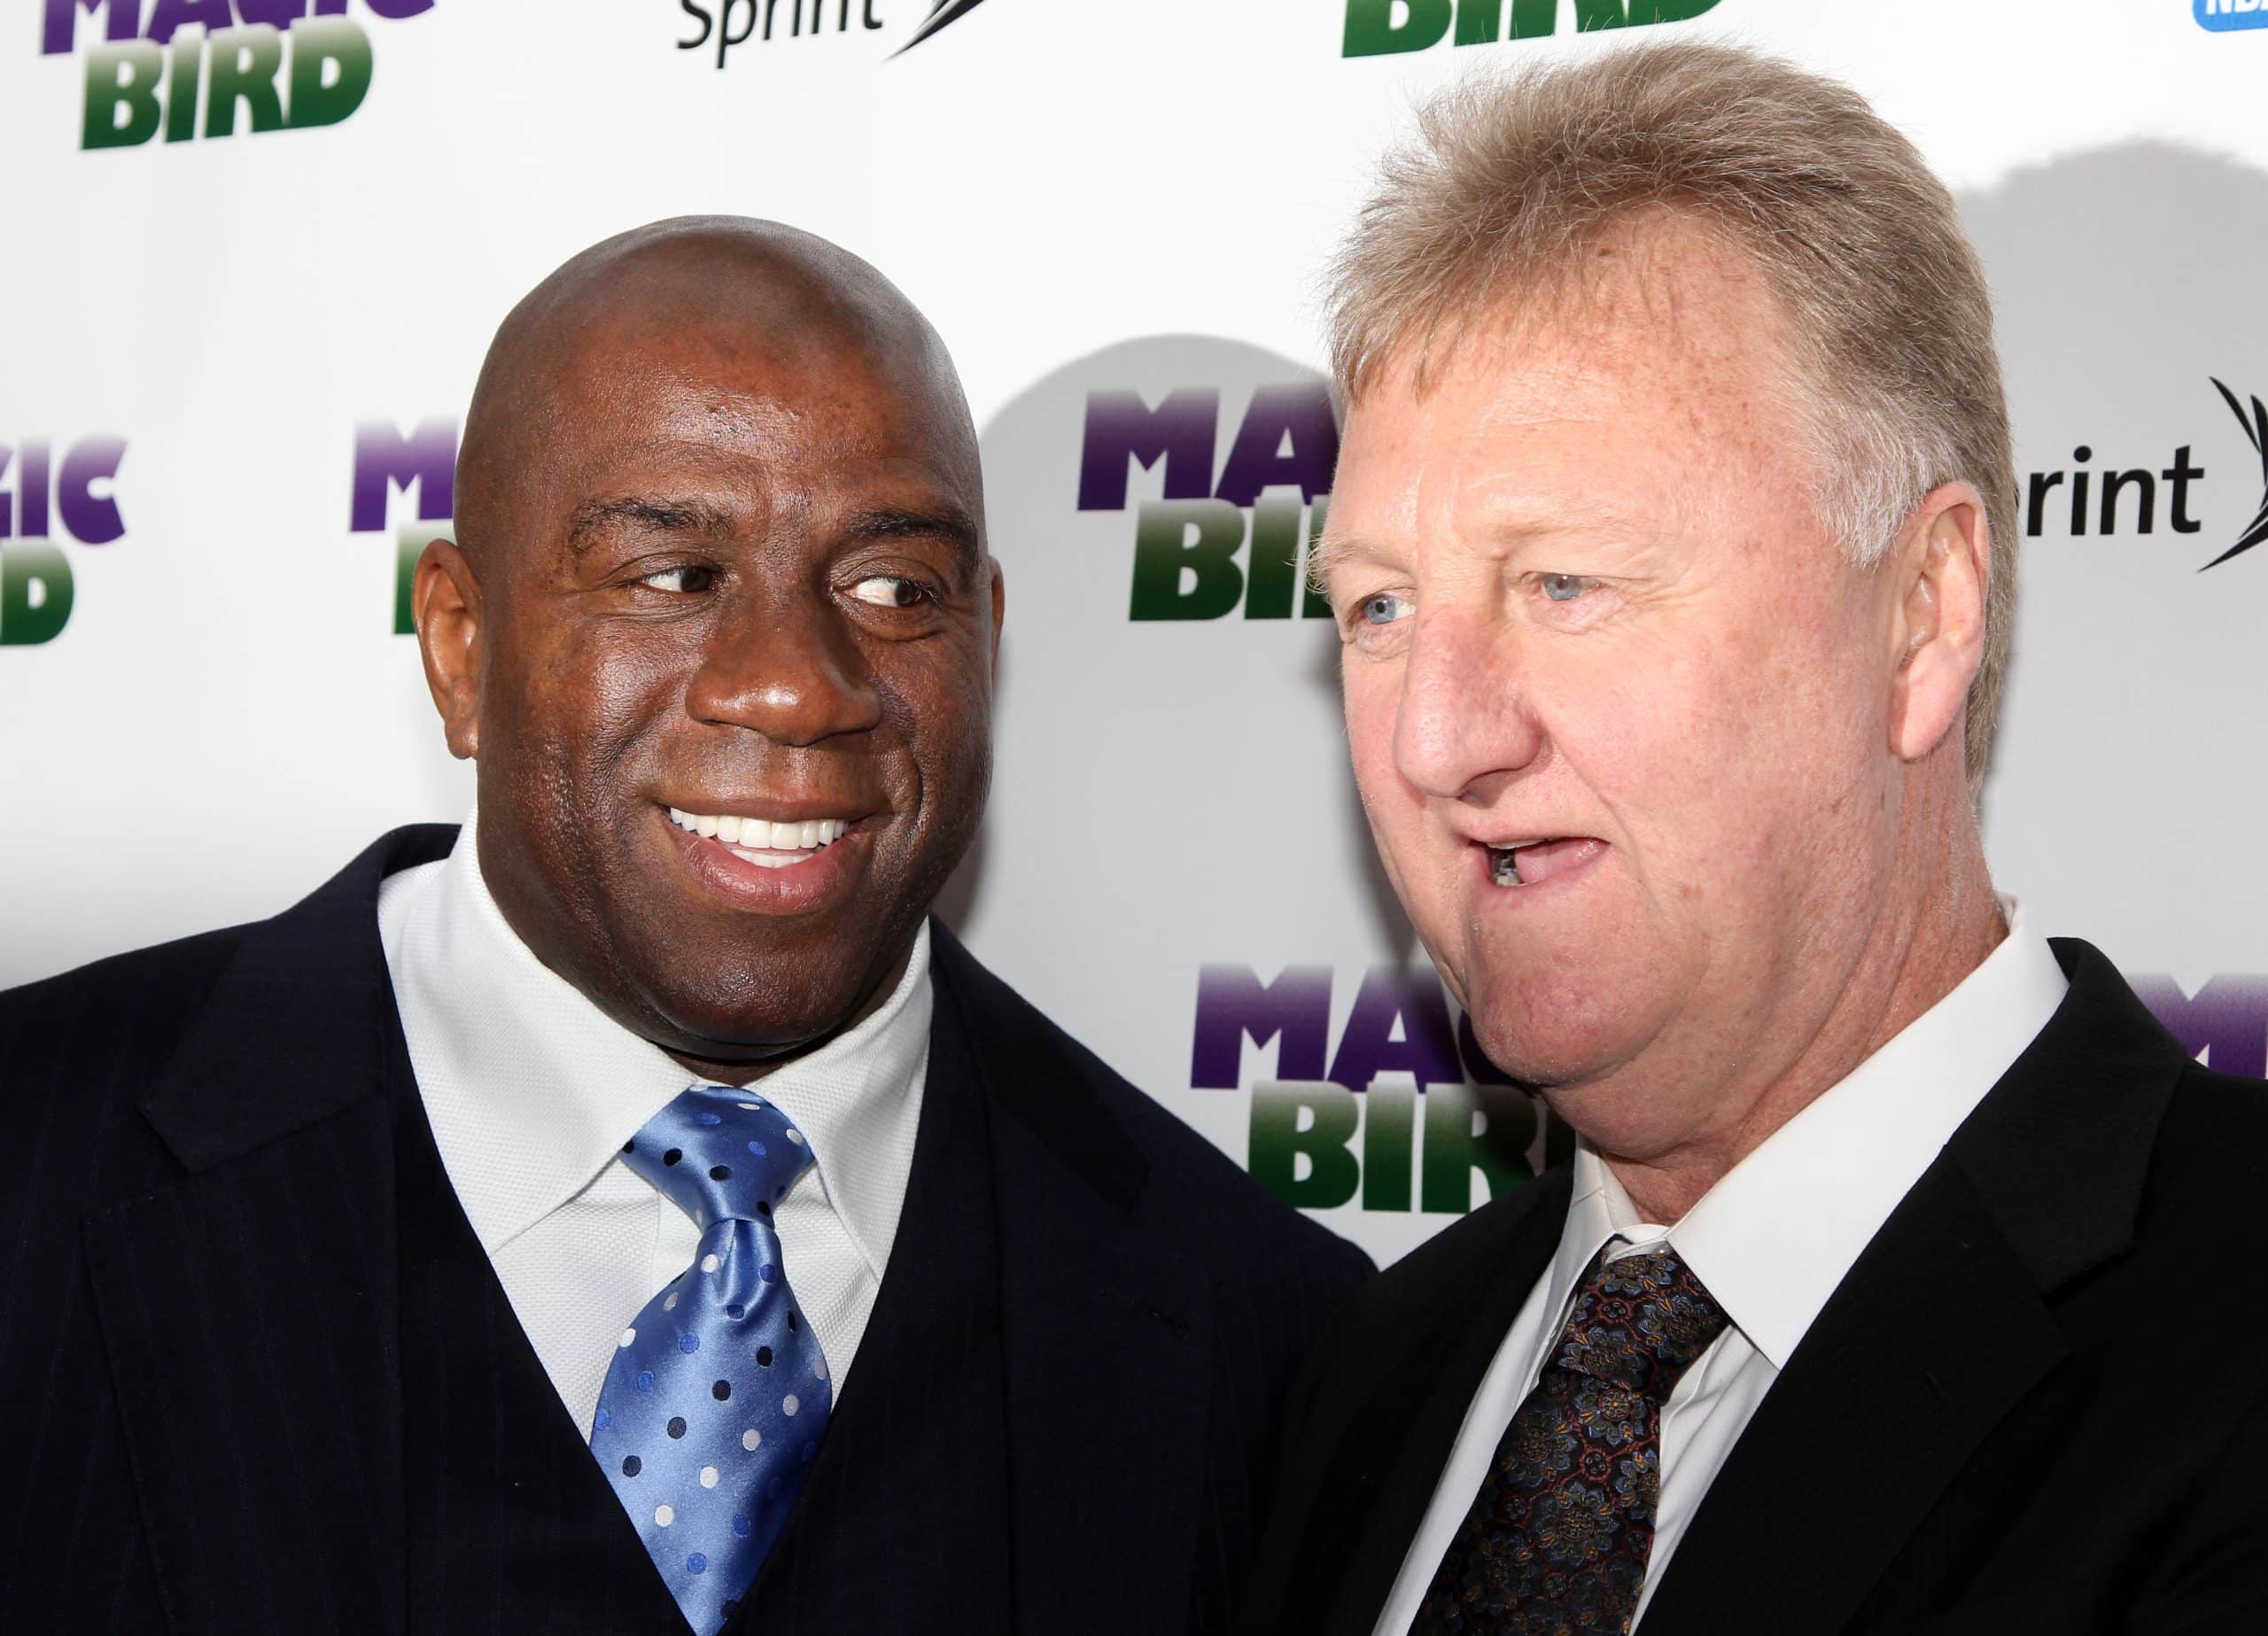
{"type": "Point", "coordinates": [1545, 1036]}
{"type": "Point", "coordinates": [720, 1044]}
{"type": "Point", "coordinates": [754, 1015]}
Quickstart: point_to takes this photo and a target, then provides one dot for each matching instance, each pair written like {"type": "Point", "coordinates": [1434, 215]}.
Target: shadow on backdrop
{"type": "Point", "coordinates": [1231, 718]}
{"type": "Point", "coordinates": [2120, 279]}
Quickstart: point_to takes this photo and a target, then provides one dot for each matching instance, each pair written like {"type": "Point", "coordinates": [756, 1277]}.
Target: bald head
{"type": "Point", "coordinates": [719, 626]}
{"type": "Point", "coordinates": [757, 297]}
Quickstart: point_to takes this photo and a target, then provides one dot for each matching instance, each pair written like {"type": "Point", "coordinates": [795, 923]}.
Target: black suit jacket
{"type": "Point", "coordinates": [2037, 1402]}
{"type": "Point", "coordinates": [256, 1377]}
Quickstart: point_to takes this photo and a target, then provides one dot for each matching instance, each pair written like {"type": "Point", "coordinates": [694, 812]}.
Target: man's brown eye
{"type": "Point", "coordinates": [685, 580]}
{"type": "Point", "coordinates": [890, 591]}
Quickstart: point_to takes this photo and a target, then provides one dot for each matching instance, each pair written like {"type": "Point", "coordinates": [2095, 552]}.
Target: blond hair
{"type": "Point", "coordinates": [1512, 183]}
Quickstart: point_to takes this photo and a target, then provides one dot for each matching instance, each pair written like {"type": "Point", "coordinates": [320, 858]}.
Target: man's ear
{"type": "Point", "coordinates": [999, 610]}
{"type": "Point", "coordinates": [1942, 572]}
{"type": "Point", "coordinates": [444, 602]}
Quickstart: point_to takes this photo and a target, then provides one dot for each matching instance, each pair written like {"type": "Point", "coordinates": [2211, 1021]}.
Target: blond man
{"type": "Point", "coordinates": [1895, 1283]}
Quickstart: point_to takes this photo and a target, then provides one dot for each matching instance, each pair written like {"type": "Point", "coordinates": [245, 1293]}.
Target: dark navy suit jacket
{"type": "Point", "coordinates": [257, 1377]}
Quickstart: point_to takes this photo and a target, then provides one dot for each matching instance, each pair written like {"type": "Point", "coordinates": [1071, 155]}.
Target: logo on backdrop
{"type": "Point", "coordinates": [727, 24]}
{"type": "Point", "coordinates": [1401, 1109]}
{"type": "Point", "coordinates": [2222, 15]}
{"type": "Point", "coordinates": [2084, 497]}
{"type": "Point", "coordinates": [287, 65]}
{"type": "Point", "coordinates": [389, 462]}
{"type": "Point", "coordinates": [1262, 479]}
{"type": "Point", "coordinates": [37, 493]}
{"type": "Point", "coordinates": [1375, 28]}
{"type": "Point", "coordinates": [2226, 1020]}
{"type": "Point", "coordinates": [2255, 424]}
{"type": "Point", "coordinates": [1400, 1068]}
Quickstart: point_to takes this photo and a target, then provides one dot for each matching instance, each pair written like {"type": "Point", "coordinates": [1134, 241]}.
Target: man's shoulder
{"type": "Point", "coordinates": [79, 1054]}
{"type": "Point", "coordinates": [82, 1051]}
{"type": "Point", "coordinates": [2107, 1078]}
{"type": "Point", "coordinates": [1441, 1277]}
{"type": "Point", "coordinates": [2214, 1140]}
{"type": "Point", "coordinates": [120, 1006]}
{"type": "Point", "coordinates": [2235, 1102]}
{"type": "Point", "coordinates": [145, 994]}
{"type": "Point", "coordinates": [1423, 1330]}
{"type": "Point", "coordinates": [1189, 1184]}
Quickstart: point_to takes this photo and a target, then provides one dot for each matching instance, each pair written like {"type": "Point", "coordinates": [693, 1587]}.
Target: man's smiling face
{"type": "Point", "coordinates": [731, 639]}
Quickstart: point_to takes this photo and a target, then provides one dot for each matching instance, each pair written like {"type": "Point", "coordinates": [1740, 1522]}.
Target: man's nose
{"type": "Point", "coordinates": [1465, 721]}
{"type": "Point", "coordinates": [787, 668]}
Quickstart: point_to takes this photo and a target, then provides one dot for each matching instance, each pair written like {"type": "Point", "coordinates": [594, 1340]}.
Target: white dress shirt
{"type": "Point", "coordinates": [532, 1090]}
{"type": "Point", "coordinates": [1770, 1241]}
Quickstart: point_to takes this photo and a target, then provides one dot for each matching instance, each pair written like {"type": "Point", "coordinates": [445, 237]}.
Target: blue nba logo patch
{"type": "Point", "coordinates": [2223, 15]}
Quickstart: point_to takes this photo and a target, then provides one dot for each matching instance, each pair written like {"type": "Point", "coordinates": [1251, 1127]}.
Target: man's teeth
{"type": "Point", "coordinates": [1504, 862]}
{"type": "Point", "coordinates": [759, 841]}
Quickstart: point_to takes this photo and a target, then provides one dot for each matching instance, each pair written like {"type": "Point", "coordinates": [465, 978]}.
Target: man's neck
{"type": "Point", "coordinates": [747, 1072]}
{"type": "Point", "coordinates": [1913, 962]}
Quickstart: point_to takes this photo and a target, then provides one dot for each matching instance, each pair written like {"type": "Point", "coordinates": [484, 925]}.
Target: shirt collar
{"type": "Point", "coordinates": [1776, 1234]}
{"type": "Point", "coordinates": [858, 1097]}
{"type": "Point", "coordinates": [532, 1090]}
{"type": "Point", "coordinates": [1599, 1213]}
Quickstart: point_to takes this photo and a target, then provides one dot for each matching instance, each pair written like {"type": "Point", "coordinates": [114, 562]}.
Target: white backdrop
{"type": "Point", "coordinates": [1085, 198]}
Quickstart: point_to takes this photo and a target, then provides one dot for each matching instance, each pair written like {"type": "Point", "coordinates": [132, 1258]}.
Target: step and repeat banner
{"type": "Point", "coordinates": [256, 249]}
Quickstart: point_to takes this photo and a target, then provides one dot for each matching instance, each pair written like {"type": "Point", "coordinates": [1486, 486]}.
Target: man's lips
{"type": "Point", "coordinates": [775, 842]}
{"type": "Point", "coordinates": [804, 862]}
{"type": "Point", "coordinates": [1525, 864]}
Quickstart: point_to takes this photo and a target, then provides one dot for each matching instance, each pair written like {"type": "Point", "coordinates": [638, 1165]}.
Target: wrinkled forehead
{"type": "Point", "coordinates": [1660, 404]}
{"type": "Point", "coordinates": [1627, 389]}
{"type": "Point", "coordinates": [724, 355]}
{"type": "Point", "coordinates": [1664, 298]}
{"type": "Point", "coordinates": [729, 369]}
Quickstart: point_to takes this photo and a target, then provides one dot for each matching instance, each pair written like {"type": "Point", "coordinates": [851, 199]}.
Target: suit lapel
{"type": "Point", "coordinates": [249, 1309]}
{"type": "Point", "coordinates": [1380, 1480]}
{"type": "Point", "coordinates": [1936, 1332]}
{"type": "Point", "coordinates": [911, 1473]}
{"type": "Point", "coordinates": [1942, 1327]}
{"type": "Point", "coordinates": [1108, 1351]}
{"type": "Point", "coordinates": [1106, 1340]}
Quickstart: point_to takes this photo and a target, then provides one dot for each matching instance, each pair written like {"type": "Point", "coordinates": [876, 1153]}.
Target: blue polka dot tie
{"type": "Point", "coordinates": [717, 1392]}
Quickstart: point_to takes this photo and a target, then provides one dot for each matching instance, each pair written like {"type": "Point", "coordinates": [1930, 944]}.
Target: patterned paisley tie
{"type": "Point", "coordinates": [717, 1393]}
{"type": "Point", "coordinates": [1556, 1539]}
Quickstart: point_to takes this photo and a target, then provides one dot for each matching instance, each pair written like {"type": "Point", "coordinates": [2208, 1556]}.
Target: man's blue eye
{"type": "Point", "coordinates": [1563, 588]}
{"type": "Point", "coordinates": [1384, 609]}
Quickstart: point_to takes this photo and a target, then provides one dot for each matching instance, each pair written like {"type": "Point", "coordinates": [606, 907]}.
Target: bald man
{"type": "Point", "coordinates": [630, 1212]}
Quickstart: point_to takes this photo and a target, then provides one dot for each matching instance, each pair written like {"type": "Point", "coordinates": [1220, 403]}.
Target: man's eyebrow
{"type": "Point", "coordinates": [593, 517]}
{"type": "Point", "coordinates": [1514, 527]}
{"type": "Point", "coordinates": [948, 521]}
{"type": "Point", "coordinates": [1332, 552]}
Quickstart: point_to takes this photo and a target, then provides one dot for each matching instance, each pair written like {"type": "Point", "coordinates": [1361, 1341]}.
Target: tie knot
{"type": "Point", "coordinates": [720, 1153]}
{"type": "Point", "coordinates": [1638, 1322]}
